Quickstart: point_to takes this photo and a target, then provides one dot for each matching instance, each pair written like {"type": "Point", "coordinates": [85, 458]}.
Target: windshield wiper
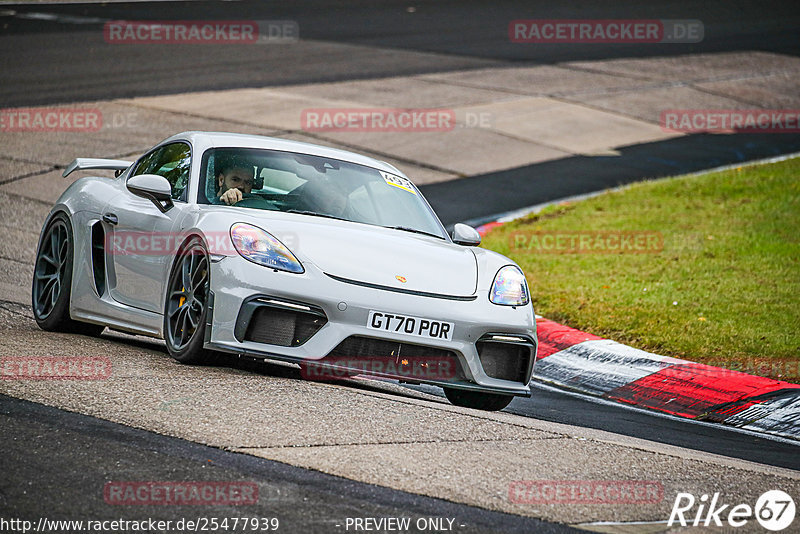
{"type": "Point", "coordinates": [414, 231]}
{"type": "Point", "coordinates": [317, 214]}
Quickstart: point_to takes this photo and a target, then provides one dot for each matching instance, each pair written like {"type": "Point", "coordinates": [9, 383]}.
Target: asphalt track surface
{"type": "Point", "coordinates": [511, 190]}
{"type": "Point", "coordinates": [39, 45]}
{"type": "Point", "coordinates": [74, 64]}
{"type": "Point", "coordinates": [38, 62]}
{"type": "Point", "coordinates": [67, 458]}
{"type": "Point", "coordinates": [550, 404]}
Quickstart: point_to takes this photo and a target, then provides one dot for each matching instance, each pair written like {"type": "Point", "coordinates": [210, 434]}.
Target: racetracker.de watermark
{"type": "Point", "coordinates": [585, 492]}
{"type": "Point", "coordinates": [404, 367]}
{"type": "Point", "coordinates": [46, 119]}
{"type": "Point", "coordinates": [640, 31]}
{"type": "Point", "coordinates": [377, 120]}
{"type": "Point", "coordinates": [776, 369]}
{"type": "Point", "coordinates": [226, 493]}
{"type": "Point", "coordinates": [137, 243]}
{"type": "Point", "coordinates": [587, 242]}
{"type": "Point", "coordinates": [731, 120]}
{"type": "Point", "coordinates": [201, 31]}
{"type": "Point", "coordinates": [55, 368]}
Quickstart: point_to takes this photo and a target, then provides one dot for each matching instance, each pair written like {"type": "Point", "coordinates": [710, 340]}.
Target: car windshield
{"type": "Point", "coordinates": [314, 186]}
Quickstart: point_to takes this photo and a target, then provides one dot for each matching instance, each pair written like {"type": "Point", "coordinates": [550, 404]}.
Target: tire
{"type": "Point", "coordinates": [52, 280]}
{"type": "Point", "coordinates": [491, 402]}
{"type": "Point", "coordinates": [186, 305]}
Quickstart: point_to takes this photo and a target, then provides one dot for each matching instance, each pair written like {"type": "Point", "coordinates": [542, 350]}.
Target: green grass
{"type": "Point", "coordinates": [724, 290]}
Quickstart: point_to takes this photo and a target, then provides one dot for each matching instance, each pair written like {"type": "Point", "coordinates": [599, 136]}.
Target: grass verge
{"type": "Point", "coordinates": [715, 279]}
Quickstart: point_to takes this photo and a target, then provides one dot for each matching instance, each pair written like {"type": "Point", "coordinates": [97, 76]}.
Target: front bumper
{"type": "Point", "coordinates": [239, 288]}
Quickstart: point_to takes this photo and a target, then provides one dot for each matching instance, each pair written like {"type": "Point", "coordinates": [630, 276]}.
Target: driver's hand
{"type": "Point", "coordinates": [231, 196]}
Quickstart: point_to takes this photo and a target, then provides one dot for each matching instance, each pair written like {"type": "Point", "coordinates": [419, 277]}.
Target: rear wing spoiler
{"type": "Point", "coordinates": [82, 164]}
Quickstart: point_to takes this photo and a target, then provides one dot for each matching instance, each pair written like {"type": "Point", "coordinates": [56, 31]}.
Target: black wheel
{"type": "Point", "coordinates": [491, 402]}
{"type": "Point", "coordinates": [186, 305]}
{"type": "Point", "coordinates": [52, 280]}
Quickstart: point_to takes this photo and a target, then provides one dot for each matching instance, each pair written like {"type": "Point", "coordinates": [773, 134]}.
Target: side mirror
{"type": "Point", "coordinates": [466, 235]}
{"type": "Point", "coordinates": [153, 187]}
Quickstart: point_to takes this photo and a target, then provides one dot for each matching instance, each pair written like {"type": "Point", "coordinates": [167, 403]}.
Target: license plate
{"type": "Point", "coordinates": [413, 326]}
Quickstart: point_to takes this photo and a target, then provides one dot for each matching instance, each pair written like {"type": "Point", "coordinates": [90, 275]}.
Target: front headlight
{"type": "Point", "coordinates": [509, 287]}
{"type": "Point", "coordinates": [258, 246]}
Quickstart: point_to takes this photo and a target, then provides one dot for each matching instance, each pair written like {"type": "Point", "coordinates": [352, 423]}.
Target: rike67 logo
{"type": "Point", "coordinates": [774, 510]}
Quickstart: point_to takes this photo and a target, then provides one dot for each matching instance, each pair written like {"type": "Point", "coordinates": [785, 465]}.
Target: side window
{"type": "Point", "coordinates": [172, 162]}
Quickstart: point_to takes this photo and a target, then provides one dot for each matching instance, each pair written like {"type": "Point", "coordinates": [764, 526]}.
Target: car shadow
{"type": "Point", "coordinates": [275, 369]}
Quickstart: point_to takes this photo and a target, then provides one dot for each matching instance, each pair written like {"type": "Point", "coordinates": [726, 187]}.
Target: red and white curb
{"type": "Point", "coordinates": [569, 358]}
{"type": "Point", "coordinates": [575, 360]}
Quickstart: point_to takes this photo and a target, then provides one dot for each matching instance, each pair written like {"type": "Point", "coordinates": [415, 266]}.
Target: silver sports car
{"type": "Point", "coordinates": [227, 243]}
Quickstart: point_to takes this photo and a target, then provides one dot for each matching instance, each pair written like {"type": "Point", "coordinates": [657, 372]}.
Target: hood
{"type": "Point", "coordinates": [378, 256]}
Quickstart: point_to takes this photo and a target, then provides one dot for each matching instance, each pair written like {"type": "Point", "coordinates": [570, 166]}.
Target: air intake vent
{"type": "Point", "coordinates": [400, 360]}
{"type": "Point", "coordinates": [274, 322]}
{"type": "Point", "coordinates": [504, 361]}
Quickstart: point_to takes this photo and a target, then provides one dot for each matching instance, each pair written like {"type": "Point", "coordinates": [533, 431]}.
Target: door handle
{"type": "Point", "coordinates": [110, 218]}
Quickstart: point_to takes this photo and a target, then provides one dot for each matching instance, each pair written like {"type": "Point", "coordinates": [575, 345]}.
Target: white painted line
{"type": "Point", "coordinates": [57, 2]}
{"type": "Point", "coordinates": [622, 523]}
{"type": "Point", "coordinates": [509, 216]}
{"type": "Point", "coordinates": [61, 18]}
{"type": "Point", "coordinates": [753, 163]}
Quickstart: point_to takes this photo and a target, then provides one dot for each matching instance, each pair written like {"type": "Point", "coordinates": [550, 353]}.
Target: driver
{"type": "Point", "coordinates": [235, 183]}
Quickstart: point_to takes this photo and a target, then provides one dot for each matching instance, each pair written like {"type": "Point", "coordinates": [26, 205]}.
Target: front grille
{"type": "Point", "coordinates": [286, 328]}
{"type": "Point", "coordinates": [504, 361]}
{"type": "Point", "coordinates": [401, 360]}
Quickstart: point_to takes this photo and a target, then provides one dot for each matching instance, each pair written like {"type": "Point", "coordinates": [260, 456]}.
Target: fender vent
{"type": "Point", "coordinates": [99, 257]}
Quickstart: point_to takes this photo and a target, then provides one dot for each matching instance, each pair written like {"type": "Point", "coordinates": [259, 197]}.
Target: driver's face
{"type": "Point", "coordinates": [239, 178]}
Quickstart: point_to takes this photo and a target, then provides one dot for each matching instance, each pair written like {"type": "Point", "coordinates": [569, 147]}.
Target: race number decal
{"type": "Point", "coordinates": [398, 181]}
